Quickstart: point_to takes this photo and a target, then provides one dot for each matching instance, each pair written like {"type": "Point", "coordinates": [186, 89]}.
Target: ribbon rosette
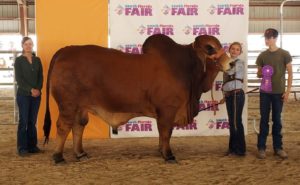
{"type": "Point", "coordinates": [266, 83]}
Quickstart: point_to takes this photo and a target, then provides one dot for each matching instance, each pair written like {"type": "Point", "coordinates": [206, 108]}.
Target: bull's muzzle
{"type": "Point", "coordinates": [222, 59]}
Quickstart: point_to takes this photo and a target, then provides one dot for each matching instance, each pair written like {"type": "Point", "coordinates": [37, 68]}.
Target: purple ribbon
{"type": "Point", "coordinates": [266, 82]}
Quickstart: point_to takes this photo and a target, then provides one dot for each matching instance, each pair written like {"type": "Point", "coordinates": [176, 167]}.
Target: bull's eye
{"type": "Point", "coordinates": [210, 50]}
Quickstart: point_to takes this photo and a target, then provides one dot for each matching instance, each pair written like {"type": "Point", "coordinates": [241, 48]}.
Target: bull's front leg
{"type": "Point", "coordinates": [160, 140]}
{"type": "Point", "coordinates": [165, 127]}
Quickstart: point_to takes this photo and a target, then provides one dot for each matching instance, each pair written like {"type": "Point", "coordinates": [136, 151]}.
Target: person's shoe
{"type": "Point", "coordinates": [240, 154]}
{"type": "Point", "coordinates": [261, 154]}
{"type": "Point", "coordinates": [229, 153]}
{"type": "Point", "coordinates": [23, 153]}
{"type": "Point", "coordinates": [35, 150]}
{"type": "Point", "coordinates": [281, 153]}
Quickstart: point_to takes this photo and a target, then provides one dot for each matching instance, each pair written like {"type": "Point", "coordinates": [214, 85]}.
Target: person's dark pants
{"type": "Point", "coordinates": [235, 104]}
{"type": "Point", "coordinates": [266, 101]}
{"type": "Point", "coordinates": [27, 134]}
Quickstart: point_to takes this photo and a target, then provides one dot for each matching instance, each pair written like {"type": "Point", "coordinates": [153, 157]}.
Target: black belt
{"type": "Point", "coordinates": [235, 91]}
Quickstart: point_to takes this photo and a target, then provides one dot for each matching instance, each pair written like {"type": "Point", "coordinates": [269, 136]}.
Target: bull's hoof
{"type": "Point", "coordinates": [160, 151]}
{"type": "Point", "coordinates": [58, 158]}
{"type": "Point", "coordinates": [171, 160]}
{"type": "Point", "coordinates": [82, 157]}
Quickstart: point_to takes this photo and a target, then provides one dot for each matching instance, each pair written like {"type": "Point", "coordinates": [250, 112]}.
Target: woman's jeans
{"type": "Point", "coordinates": [28, 111]}
{"type": "Point", "coordinates": [235, 104]}
{"type": "Point", "coordinates": [266, 102]}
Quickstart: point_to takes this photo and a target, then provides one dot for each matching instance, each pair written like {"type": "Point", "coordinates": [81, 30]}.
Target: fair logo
{"type": "Point", "coordinates": [212, 9]}
{"type": "Point", "coordinates": [226, 9]}
{"type": "Point", "coordinates": [226, 46]}
{"type": "Point", "coordinates": [166, 9]}
{"type": "Point", "coordinates": [219, 124]}
{"type": "Point", "coordinates": [119, 10]}
{"type": "Point", "coordinates": [191, 126]}
{"type": "Point", "coordinates": [156, 29]}
{"type": "Point", "coordinates": [130, 48]}
{"type": "Point", "coordinates": [181, 10]}
{"type": "Point", "coordinates": [134, 10]}
{"type": "Point", "coordinates": [120, 48]}
{"type": "Point", "coordinates": [211, 124]}
{"type": "Point", "coordinates": [202, 29]}
{"type": "Point", "coordinates": [137, 126]}
{"type": "Point", "coordinates": [218, 85]}
{"type": "Point", "coordinates": [187, 30]}
{"type": "Point", "coordinates": [222, 124]}
{"type": "Point", "coordinates": [141, 29]}
{"type": "Point", "coordinates": [208, 105]}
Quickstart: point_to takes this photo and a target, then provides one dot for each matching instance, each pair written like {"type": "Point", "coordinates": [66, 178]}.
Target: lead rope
{"type": "Point", "coordinates": [234, 101]}
{"type": "Point", "coordinates": [234, 121]}
{"type": "Point", "coordinates": [213, 100]}
{"type": "Point", "coordinates": [204, 64]}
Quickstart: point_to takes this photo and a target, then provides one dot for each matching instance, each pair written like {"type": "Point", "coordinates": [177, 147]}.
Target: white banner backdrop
{"type": "Point", "coordinates": [132, 21]}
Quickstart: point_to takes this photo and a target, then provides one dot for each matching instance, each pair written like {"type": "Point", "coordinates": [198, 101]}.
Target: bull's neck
{"type": "Point", "coordinates": [209, 77]}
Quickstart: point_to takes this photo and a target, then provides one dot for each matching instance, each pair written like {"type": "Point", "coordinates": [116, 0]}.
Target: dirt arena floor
{"type": "Point", "coordinates": [137, 161]}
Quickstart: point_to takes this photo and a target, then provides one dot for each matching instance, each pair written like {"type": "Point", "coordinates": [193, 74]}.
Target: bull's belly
{"type": "Point", "coordinates": [116, 119]}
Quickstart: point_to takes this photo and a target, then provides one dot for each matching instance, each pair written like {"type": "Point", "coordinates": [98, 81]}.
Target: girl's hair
{"type": "Point", "coordinates": [24, 40]}
{"type": "Point", "coordinates": [238, 44]}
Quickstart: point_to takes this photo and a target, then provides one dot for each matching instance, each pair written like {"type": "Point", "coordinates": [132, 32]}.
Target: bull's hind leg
{"type": "Point", "coordinates": [165, 126]}
{"type": "Point", "coordinates": [63, 129]}
{"type": "Point", "coordinates": [77, 130]}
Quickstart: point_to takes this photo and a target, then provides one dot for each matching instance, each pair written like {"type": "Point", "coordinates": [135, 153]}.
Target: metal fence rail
{"type": "Point", "coordinates": [11, 85]}
{"type": "Point", "coordinates": [254, 82]}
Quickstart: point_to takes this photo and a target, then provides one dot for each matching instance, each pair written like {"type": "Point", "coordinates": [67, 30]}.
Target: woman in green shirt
{"type": "Point", "coordinates": [29, 77]}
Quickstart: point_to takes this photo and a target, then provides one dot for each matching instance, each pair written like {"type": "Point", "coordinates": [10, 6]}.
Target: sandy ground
{"type": "Point", "coordinates": [137, 161]}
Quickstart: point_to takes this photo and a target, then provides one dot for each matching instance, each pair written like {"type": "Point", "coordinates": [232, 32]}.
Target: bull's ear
{"type": "Point", "coordinates": [210, 50]}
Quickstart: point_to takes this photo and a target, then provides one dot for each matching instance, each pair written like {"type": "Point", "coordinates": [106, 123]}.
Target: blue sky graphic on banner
{"type": "Point", "coordinates": [133, 21]}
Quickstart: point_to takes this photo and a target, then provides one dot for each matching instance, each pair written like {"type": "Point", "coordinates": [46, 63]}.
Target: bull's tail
{"type": "Point", "coordinates": [47, 119]}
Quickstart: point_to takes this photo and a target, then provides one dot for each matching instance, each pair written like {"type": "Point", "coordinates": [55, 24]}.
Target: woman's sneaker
{"type": "Point", "coordinates": [281, 153]}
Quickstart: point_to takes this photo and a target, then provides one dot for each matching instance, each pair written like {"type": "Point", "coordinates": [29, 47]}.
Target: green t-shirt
{"type": "Point", "coordinates": [28, 75]}
{"type": "Point", "coordinates": [278, 60]}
